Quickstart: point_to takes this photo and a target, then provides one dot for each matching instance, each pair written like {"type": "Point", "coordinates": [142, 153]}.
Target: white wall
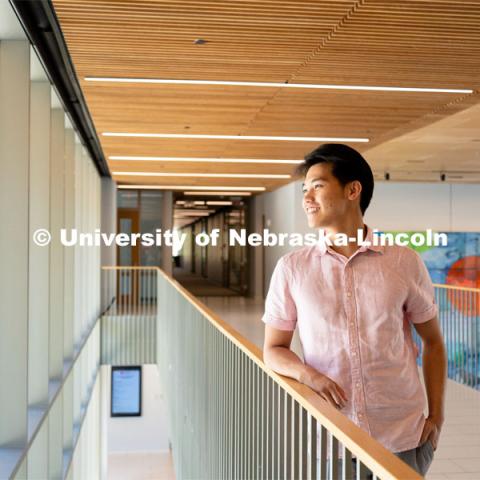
{"type": "Point", "coordinates": [417, 206]}
{"type": "Point", "coordinates": [283, 214]}
{"type": "Point", "coordinates": [255, 255]}
{"type": "Point", "coordinates": [148, 433]}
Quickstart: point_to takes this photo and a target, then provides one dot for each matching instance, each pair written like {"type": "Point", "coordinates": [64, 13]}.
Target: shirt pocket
{"type": "Point", "coordinates": [381, 317]}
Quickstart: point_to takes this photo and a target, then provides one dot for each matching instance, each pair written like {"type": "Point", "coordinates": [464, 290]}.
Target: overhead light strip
{"type": "Point", "coordinates": [200, 160]}
{"type": "Point", "coordinates": [278, 85]}
{"type": "Point", "coordinates": [223, 194]}
{"type": "Point", "coordinates": [190, 187]}
{"type": "Point", "coordinates": [219, 202]}
{"type": "Point", "coordinates": [236, 137]}
{"type": "Point", "coordinates": [203, 175]}
{"type": "Point", "coordinates": [192, 210]}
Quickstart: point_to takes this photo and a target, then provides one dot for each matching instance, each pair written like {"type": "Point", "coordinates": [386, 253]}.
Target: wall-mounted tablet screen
{"type": "Point", "coordinates": [126, 392]}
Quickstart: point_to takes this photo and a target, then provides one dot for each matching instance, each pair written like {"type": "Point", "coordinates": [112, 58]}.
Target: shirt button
{"type": "Point", "coordinates": [360, 415]}
{"type": "Point", "coordinates": [354, 352]}
{"type": "Point", "coordinates": [357, 385]}
{"type": "Point", "coordinates": [352, 324]}
{"type": "Point", "coordinates": [349, 294]}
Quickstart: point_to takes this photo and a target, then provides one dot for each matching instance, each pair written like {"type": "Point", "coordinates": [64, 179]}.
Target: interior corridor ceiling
{"type": "Point", "coordinates": [423, 44]}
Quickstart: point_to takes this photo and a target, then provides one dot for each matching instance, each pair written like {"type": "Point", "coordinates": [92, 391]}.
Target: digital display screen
{"type": "Point", "coordinates": [126, 391]}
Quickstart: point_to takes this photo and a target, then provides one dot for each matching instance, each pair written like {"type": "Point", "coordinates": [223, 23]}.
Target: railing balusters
{"type": "Point", "coordinates": [304, 444]}
{"type": "Point", "coordinates": [333, 460]}
{"type": "Point", "coordinates": [459, 317]}
{"type": "Point", "coordinates": [231, 417]}
{"type": "Point", "coordinates": [241, 456]}
{"type": "Point", "coordinates": [264, 425]}
{"type": "Point", "coordinates": [257, 417]}
{"type": "Point", "coordinates": [282, 452]}
{"type": "Point", "coordinates": [322, 452]}
{"type": "Point", "coordinates": [313, 448]}
{"type": "Point", "coordinates": [269, 414]}
{"type": "Point", "coordinates": [346, 464]}
{"type": "Point", "coordinates": [238, 421]}
{"type": "Point", "coordinates": [362, 471]}
{"type": "Point", "coordinates": [296, 440]}
{"type": "Point", "coordinates": [288, 436]}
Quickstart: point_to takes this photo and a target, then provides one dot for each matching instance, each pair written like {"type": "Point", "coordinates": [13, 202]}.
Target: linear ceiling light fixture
{"type": "Point", "coordinates": [236, 137]}
{"type": "Point", "coordinates": [219, 202]}
{"type": "Point", "coordinates": [190, 187]}
{"type": "Point", "coordinates": [278, 85]}
{"type": "Point", "coordinates": [203, 175]}
{"type": "Point", "coordinates": [189, 211]}
{"type": "Point", "coordinates": [223, 194]}
{"type": "Point", "coordinates": [200, 160]}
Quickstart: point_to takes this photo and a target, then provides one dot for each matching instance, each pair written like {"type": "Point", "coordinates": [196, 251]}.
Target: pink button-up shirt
{"type": "Point", "coordinates": [353, 317]}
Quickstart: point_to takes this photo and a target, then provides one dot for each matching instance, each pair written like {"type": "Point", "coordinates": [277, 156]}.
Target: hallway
{"type": "Point", "coordinates": [457, 455]}
{"type": "Point", "coordinates": [201, 287]}
{"type": "Point", "coordinates": [158, 158]}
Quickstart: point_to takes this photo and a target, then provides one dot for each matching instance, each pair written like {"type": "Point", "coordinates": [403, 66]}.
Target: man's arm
{"type": "Point", "coordinates": [278, 356]}
{"type": "Point", "coordinates": [434, 372]}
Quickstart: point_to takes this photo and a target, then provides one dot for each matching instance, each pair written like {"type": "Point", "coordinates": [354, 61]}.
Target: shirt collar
{"type": "Point", "coordinates": [322, 247]}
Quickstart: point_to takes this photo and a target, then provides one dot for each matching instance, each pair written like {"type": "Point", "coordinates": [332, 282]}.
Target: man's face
{"type": "Point", "coordinates": [325, 200]}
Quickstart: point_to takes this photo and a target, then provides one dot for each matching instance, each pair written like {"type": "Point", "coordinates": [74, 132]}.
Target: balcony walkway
{"type": "Point", "coordinates": [457, 455]}
{"type": "Point", "coordinates": [200, 286]}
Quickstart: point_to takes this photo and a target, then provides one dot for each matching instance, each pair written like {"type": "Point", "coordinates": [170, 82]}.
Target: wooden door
{"type": "Point", "coordinates": [128, 256]}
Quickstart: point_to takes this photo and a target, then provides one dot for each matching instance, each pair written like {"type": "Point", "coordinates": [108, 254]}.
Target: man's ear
{"type": "Point", "coordinates": [354, 189]}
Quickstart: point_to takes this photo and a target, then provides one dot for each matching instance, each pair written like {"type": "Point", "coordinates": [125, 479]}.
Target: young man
{"type": "Point", "coordinates": [354, 306]}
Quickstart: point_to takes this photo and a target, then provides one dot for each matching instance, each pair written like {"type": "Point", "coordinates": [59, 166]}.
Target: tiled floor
{"type": "Point", "coordinates": [458, 454]}
{"type": "Point", "coordinates": [140, 466]}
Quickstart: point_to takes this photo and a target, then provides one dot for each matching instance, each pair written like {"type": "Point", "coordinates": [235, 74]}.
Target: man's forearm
{"type": "Point", "coordinates": [283, 361]}
{"type": "Point", "coordinates": [434, 373]}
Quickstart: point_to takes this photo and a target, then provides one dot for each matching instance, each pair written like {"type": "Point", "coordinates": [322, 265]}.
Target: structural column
{"type": "Point", "coordinates": [57, 288]}
{"type": "Point", "coordinates": [39, 255]}
{"type": "Point", "coordinates": [14, 240]}
{"type": "Point", "coordinates": [78, 287]}
{"type": "Point", "coordinates": [69, 285]}
{"type": "Point", "coordinates": [57, 222]}
{"type": "Point", "coordinates": [39, 266]}
{"type": "Point", "coordinates": [69, 252]}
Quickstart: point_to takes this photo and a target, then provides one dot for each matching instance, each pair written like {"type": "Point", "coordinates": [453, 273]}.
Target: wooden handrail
{"type": "Point", "coordinates": [113, 267]}
{"type": "Point", "coordinates": [456, 287]}
{"type": "Point", "coordinates": [374, 455]}
{"type": "Point", "coordinates": [437, 285]}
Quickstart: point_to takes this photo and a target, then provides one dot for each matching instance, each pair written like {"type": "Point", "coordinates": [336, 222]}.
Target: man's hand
{"type": "Point", "coordinates": [431, 431]}
{"type": "Point", "coordinates": [325, 387]}
{"type": "Point", "coordinates": [434, 373]}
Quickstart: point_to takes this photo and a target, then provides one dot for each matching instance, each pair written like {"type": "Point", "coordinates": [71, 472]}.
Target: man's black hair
{"type": "Point", "coordinates": [347, 165]}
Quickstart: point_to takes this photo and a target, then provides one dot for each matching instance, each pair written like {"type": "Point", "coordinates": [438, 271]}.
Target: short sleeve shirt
{"type": "Point", "coordinates": [354, 320]}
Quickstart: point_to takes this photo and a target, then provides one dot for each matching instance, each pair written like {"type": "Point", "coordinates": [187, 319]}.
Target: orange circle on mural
{"type": "Point", "coordinates": [465, 273]}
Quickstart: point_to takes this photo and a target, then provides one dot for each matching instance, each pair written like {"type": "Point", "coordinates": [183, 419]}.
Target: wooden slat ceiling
{"type": "Point", "coordinates": [432, 44]}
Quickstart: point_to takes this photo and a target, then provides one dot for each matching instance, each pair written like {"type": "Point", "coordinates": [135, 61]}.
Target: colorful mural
{"type": "Point", "coordinates": [457, 264]}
